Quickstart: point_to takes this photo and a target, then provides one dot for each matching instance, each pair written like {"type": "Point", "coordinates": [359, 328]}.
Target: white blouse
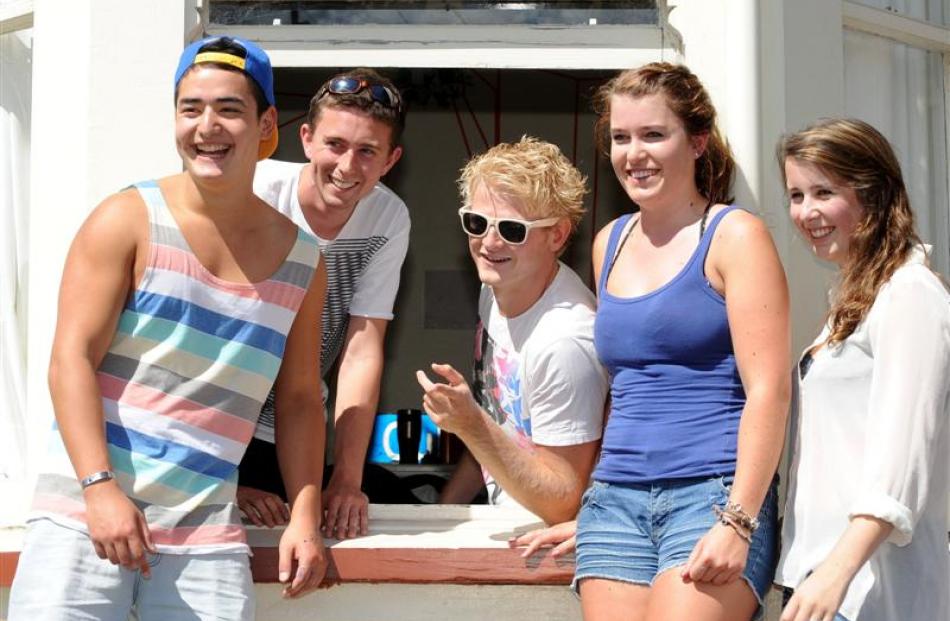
{"type": "Point", "coordinates": [873, 438]}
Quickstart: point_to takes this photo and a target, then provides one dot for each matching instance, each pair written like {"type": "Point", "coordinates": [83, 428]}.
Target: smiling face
{"type": "Point", "coordinates": [517, 274]}
{"type": "Point", "coordinates": [349, 151]}
{"type": "Point", "coordinates": [651, 152]}
{"type": "Point", "coordinates": [825, 211]}
{"type": "Point", "coordinates": [217, 129]}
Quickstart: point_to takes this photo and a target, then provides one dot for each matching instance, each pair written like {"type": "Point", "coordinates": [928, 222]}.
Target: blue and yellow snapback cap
{"type": "Point", "coordinates": [254, 62]}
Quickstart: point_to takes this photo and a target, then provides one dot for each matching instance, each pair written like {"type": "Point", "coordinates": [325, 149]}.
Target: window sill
{"type": "Point", "coordinates": [407, 544]}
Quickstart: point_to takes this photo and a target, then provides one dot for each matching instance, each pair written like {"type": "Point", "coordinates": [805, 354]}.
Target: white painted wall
{"type": "Point", "coordinates": [102, 119]}
{"type": "Point", "coordinates": [813, 88]}
{"type": "Point", "coordinates": [419, 602]}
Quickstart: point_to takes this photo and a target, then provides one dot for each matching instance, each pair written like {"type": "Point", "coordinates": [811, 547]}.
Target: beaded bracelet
{"type": "Point", "coordinates": [749, 521]}
{"type": "Point", "coordinates": [733, 516]}
{"type": "Point", "coordinates": [735, 510]}
{"type": "Point", "coordinates": [725, 519]}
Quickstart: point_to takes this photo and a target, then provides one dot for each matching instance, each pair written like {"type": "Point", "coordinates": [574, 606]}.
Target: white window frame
{"type": "Point", "coordinates": [515, 46]}
{"type": "Point", "coordinates": [926, 35]}
{"type": "Point", "coordinates": [463, 47]}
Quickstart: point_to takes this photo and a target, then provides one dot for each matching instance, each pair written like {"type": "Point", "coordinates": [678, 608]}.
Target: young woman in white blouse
{"type": "Point", "coordinates": [865, 532]}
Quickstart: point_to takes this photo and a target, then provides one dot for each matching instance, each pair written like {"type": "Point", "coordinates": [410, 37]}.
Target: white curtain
{"type": "Point", "coordinates": [15, 102]}
{"type": "Point", "coordinates": [900, 90]}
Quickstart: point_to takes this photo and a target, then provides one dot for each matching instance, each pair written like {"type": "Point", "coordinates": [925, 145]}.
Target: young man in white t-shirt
{"type": "Point", "coordinates": [533, 418]}
{"type": "Point", "coordinates": [351, 139]}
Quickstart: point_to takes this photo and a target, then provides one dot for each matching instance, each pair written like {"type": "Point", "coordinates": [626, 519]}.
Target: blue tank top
{"type": "Point", "coordinates": [676, 396]}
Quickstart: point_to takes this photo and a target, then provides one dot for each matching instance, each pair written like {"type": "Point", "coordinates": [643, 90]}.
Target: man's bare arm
{"type": "Point", "coordinates": [98, 276]}
{"type": "Point", "coordinates": [548, 481]}
{"type": "Point", "coordinates": [357, 397]}
{"type": "Point", "coordinates": [300, 435]}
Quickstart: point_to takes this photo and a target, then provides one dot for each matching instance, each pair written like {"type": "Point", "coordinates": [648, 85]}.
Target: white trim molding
{"type": "Point", "coordinates": [507, 47]}
{"type": "Point", "coordinates": [857, 16]}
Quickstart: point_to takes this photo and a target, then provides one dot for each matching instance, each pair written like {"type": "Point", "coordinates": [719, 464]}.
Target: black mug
{"type": "Point", "coordinates": [409, 434]}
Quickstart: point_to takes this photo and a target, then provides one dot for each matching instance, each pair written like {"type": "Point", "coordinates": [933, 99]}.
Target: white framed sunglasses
{"type": "Point", "coordinates": [511, 230]}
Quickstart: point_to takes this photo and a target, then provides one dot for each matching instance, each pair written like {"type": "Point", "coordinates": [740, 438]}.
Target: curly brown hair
{"type": "Point", "coordinates": [689, 101]}
{"type": "Point", "coordinates": [855, 154]}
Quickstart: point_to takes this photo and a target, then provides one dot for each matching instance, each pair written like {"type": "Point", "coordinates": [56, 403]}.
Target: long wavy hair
{"type": "Point", "coordinates": [855, 154]}
{"type": "Point", "coordinates": [688, 99]}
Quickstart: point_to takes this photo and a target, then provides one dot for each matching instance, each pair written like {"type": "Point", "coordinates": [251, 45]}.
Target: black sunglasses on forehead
{"type": "Point", "coordinates": [351, 85]}
{"type": "Point", "coordinates": [511, 230]}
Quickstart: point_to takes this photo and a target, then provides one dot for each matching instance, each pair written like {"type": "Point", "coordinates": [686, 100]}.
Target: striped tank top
{"type": "Point", "coordinates": [182, 383]}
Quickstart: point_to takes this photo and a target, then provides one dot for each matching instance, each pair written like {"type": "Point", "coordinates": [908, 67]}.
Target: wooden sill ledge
{"type": "Point", "coordinates": [407, 544]}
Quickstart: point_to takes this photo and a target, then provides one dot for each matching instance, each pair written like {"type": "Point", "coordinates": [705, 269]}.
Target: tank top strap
{"type": "Point", "coordinates": [302, 261]}
{"type": "Point", "coordinates": [612, 242]}
{"type": "Point", "coordinates": [162, 226]}
{"type": "Point", "coordinates": [706, 241]}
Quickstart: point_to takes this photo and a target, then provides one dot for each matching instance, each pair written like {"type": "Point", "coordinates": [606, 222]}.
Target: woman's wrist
{"type": "Point", "coordinates": [737, 529]}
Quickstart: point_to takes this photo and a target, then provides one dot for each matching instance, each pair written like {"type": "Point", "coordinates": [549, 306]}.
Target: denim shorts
{"type": "Point", "coordinates": [632, 533]}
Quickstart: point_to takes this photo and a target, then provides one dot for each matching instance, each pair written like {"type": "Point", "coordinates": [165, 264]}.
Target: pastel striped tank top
{"type": "Point", "coordinates": [182, 384]}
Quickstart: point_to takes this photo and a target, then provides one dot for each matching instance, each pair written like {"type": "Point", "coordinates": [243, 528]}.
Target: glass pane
{"type": "Point", "coordinates": [900, 90]}
{"type": "Point", "coordinates": [933, 11]}
{"type": "Point", "coordinates": [432, 12]}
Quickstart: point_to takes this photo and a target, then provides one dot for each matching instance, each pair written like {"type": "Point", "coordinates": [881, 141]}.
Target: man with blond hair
{"type": "Point", "coordinates": [533, 417]}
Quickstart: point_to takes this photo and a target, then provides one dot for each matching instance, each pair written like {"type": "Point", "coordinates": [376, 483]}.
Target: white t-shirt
{"type": "Point", "coordinates": [363, 262]}
{"type": "Point", "coordinates": [538, 374]}
{"type": "Point", "coordinates": [873, 438]}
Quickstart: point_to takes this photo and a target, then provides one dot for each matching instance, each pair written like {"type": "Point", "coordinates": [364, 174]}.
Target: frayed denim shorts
{"type": "Point", "coordinates": [632, 533]}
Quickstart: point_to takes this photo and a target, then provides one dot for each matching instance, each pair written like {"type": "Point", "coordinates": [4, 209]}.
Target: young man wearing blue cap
{"type": "Point", "coordinates": [180, 299]}
{"type": "Point", "coordinates": [351, 140]}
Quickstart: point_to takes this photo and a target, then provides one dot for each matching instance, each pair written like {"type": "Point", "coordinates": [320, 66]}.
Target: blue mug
{"type": "Point", "coordinates": [384, 443]}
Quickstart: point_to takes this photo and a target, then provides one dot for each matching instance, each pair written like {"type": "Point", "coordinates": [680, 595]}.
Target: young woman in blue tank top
{"type": "Point", "coordinates": [692, 324]}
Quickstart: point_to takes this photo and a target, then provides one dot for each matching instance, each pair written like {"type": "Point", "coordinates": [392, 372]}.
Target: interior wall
{"type": "Point", "coordinates": [436, 306]}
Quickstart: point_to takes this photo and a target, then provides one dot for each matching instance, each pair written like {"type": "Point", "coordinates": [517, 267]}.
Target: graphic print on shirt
{"type": "Point", "coordinates": [497, 385]}
{"type": "Point", "coordinates": [346, 261]}
{"type": "Point", "coordinates": [497, 388]}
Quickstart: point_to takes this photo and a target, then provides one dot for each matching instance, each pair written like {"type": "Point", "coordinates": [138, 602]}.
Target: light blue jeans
{"type": "Point", "coordinates": [59, 577]}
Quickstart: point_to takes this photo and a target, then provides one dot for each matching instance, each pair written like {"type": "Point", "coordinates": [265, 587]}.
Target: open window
{"type": "Point", "coordinates": [473, 73]}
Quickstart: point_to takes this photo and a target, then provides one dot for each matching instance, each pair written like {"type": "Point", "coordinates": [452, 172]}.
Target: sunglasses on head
{"type": "Point", "coordinates": [511, 230]}
{"type": "Point", "coordinates": [350, 85]}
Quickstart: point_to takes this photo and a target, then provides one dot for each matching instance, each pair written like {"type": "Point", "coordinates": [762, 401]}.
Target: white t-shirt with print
{"type": "Point", "coordinates": [363, 261]}
{"type": "Point", "coordinates": [538, 374]}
